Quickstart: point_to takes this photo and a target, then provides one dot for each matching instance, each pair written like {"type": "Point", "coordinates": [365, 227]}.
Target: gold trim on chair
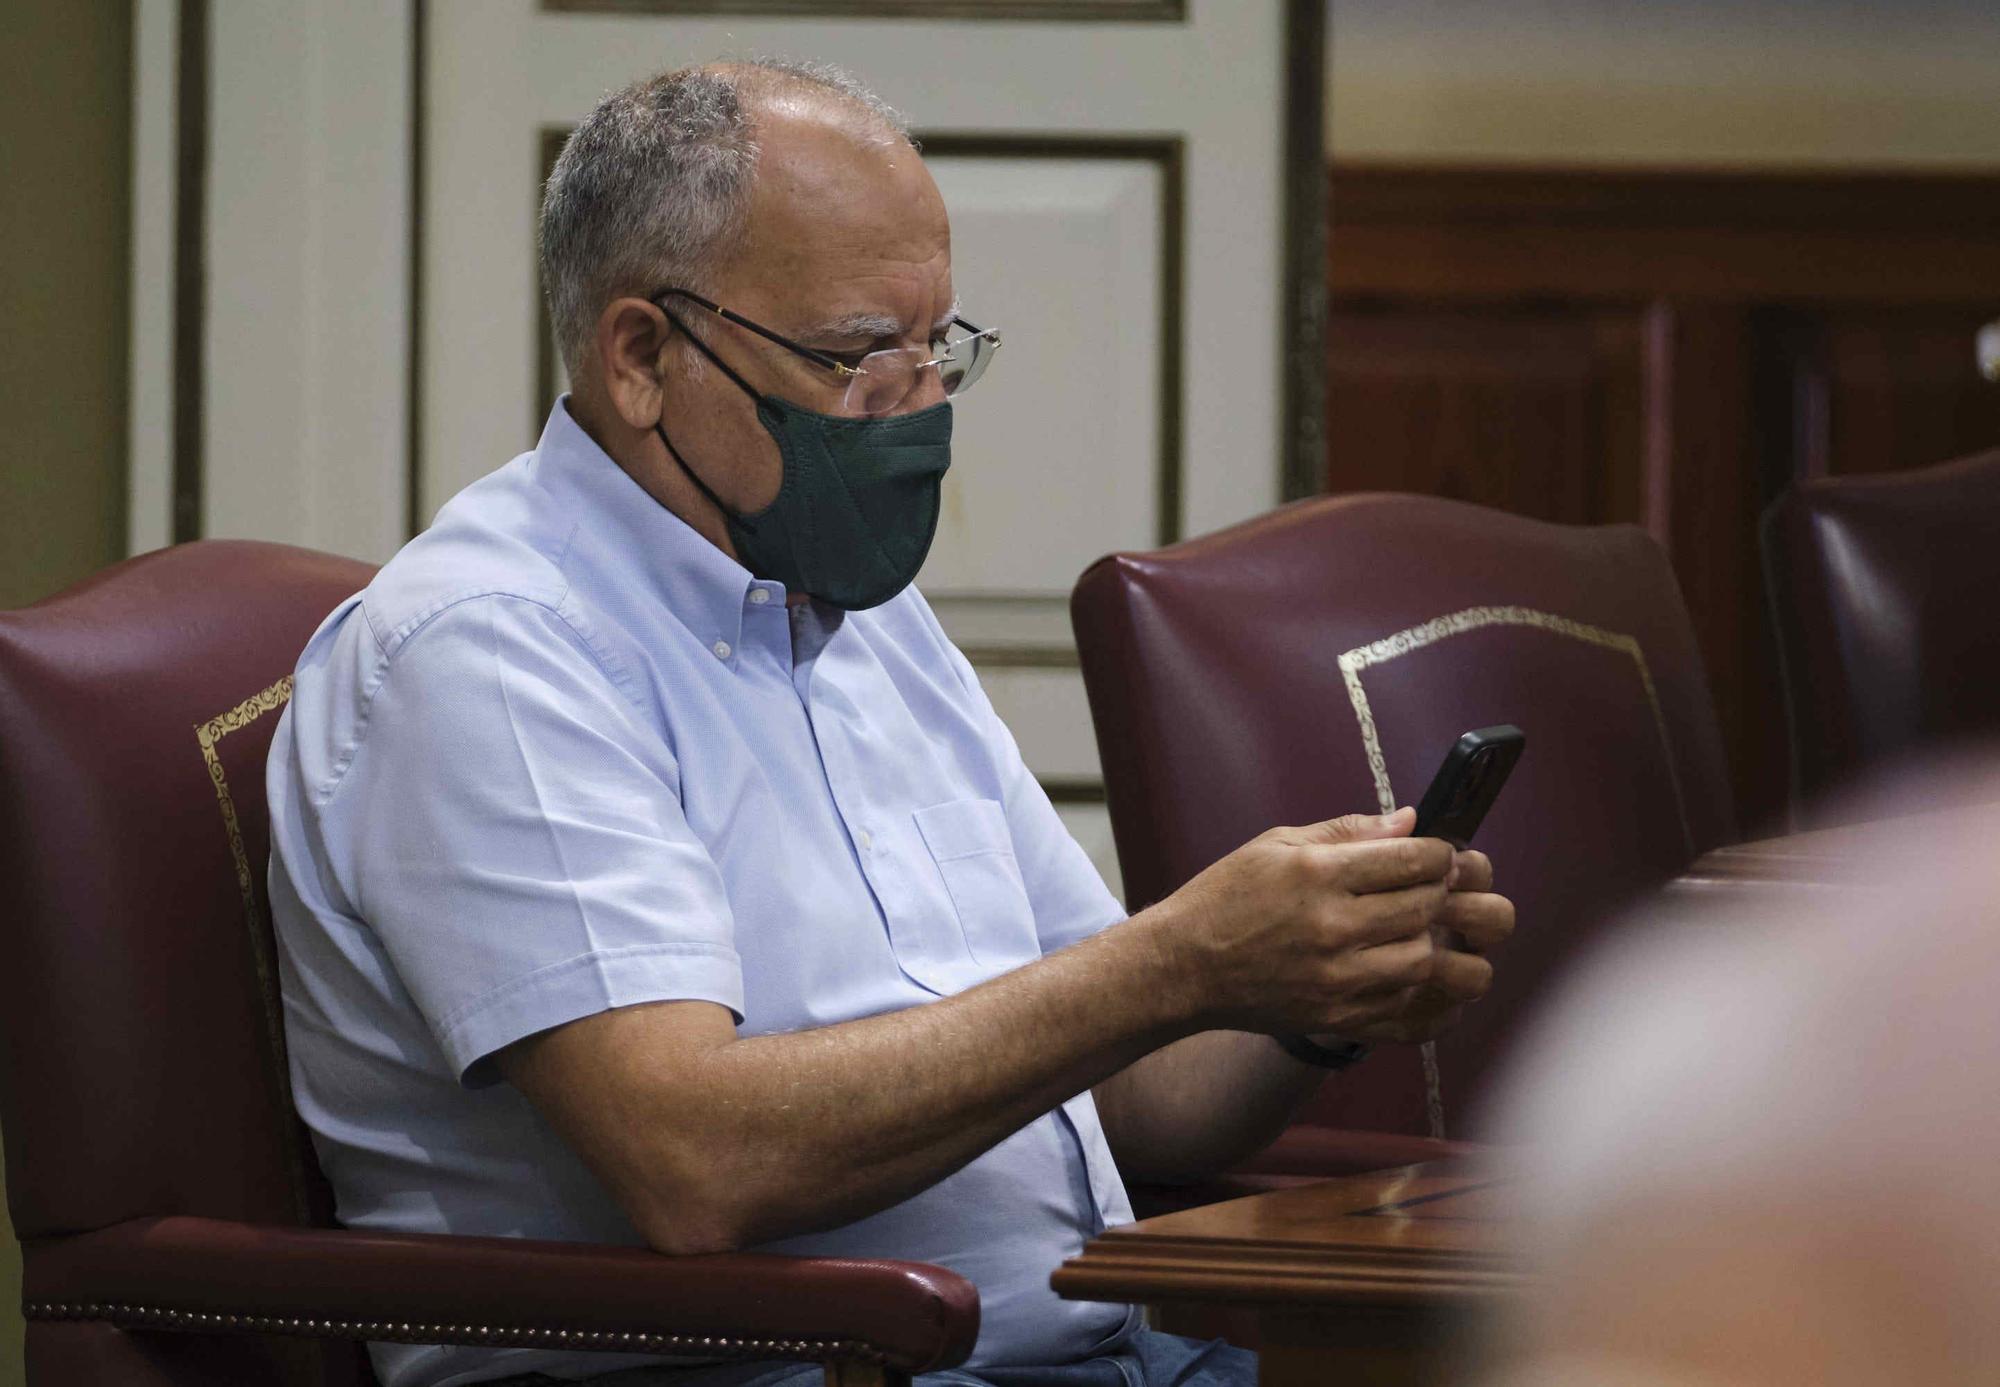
{"type": "Point", "coordinates": [1393, 647]}
{"type": "Point", "coordinates": [1472, 619]}
{"type": "Point", "coordinates": [209, 734]}
{"type": "Point", "coordinates": [213, 731]}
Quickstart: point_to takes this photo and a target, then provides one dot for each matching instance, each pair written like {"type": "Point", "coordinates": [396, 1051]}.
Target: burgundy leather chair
{"type": "Point", "coordinates": [1322, 658]}
{"type": "Point", "coordinates": [173, 1225]}
{"type": "Point", "coordinates": [1882, 591]}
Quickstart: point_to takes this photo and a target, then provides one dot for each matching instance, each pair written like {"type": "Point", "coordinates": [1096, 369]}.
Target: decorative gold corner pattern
{"type": "Point", "coordinates": [1380, 652]}
{"type": "Point", "coordinates": [1472, 619]}
{"type": "Point", "coordinates": [208, 734]}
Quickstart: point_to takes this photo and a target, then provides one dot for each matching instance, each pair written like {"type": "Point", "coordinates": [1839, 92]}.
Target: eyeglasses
{"type": "Point", "coordinates": [879, 381]}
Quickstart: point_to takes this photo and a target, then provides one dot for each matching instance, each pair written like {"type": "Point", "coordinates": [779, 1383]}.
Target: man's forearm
{"type": "Point", "coordinates": [770, 1136]}
{"type": "Point", "coordinates": [1201, 1104]}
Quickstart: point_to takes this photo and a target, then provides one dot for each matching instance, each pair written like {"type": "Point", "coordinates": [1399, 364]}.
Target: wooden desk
{"type": "Point", "coordinates": [1839, 859]}
{"type": "Point", "coordinates": [1830, 856]}
{"type": "Point", "coordinates": [1371, 1279]}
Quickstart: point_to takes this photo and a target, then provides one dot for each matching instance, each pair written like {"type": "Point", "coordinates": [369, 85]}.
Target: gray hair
{"type": "Point", "coordinates": [657, 180]}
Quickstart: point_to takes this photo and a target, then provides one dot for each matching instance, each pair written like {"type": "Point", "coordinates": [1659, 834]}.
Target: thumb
{"type": "Point", "coordinates": [1359, 828]}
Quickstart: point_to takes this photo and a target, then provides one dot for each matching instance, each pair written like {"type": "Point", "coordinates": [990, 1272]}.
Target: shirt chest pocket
{"type": "Point", "coordinates": [982, 894]}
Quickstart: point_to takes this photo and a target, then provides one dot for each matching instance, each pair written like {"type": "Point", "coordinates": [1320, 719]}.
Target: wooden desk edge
{"type": "Point", "coordinates": [1218, 1255]}
{"type": "Point", "coordinates": [1320, 1281]}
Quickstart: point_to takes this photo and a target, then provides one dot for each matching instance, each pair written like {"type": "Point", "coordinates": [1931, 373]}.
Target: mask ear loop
{"type": "Point", "coordinates": [659, 426]}
{"type": "Point", "coordinates": [719, 363]}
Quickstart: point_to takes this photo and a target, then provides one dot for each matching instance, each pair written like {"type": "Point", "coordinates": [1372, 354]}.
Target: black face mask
{"type": "Point", "coordinates": [858, 506]}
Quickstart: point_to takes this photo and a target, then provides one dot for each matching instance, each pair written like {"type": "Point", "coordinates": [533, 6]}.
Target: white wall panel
{"type": "Point", "coordinates": [150, 417]}
{"type": "Point", "coordinates": [1005, 626]}
{"type": "Point", "coordinates": [1049, 716]}
{"type": "Point", "coordinates": [306, 379]}
{"type": "Point", "coordinates": [1090, 825]}
{"type": "Point", "coordinates": [1056, 454]}
{"type": "Point", "coordinates": [502, 71]}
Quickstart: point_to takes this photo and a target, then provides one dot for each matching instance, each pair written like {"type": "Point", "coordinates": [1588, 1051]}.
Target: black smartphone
{"type": "Point", "coordinates": [1466, 785]}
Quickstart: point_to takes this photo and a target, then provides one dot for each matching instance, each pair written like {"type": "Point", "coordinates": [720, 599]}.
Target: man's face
{"type": "Point", "coordinates": [846, 249]}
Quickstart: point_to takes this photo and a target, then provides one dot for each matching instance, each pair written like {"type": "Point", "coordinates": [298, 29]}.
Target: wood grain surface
{"type": "Point", "coordinates": [1419, 1236]}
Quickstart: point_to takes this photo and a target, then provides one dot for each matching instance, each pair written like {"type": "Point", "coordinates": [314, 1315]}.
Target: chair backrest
{"type": "Point", "coordinates": [141, 1053]}
{"type": "Point", "coordinates": [1880, 589]}
{"type": "Point", "coordinates": [1322, 658]}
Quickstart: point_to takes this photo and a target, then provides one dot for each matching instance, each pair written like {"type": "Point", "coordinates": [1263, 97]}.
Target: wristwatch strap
{"type": "Point", "coordinates": [1325, 1056]}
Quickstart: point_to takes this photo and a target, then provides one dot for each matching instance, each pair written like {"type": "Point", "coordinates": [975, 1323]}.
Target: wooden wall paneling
{"type": "Point", "coordinates": [1755, 236]}
{"type": "Point", "coordinates": [1882, 389]}
{"type": "Point", "coordinates": [1535, 409]}
{"type": "Point", "coordinates": [1671, 347]}
{"type": "Point", "coordinates": [1716, 486]}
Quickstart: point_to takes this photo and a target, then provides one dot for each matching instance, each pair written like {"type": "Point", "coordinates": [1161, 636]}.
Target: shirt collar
{"type": "Point", "coordinates": [627, 534]}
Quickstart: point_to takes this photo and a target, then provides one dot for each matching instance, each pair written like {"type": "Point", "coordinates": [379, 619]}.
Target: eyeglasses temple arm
{"type": "Point", "coordinates": [821, 358]}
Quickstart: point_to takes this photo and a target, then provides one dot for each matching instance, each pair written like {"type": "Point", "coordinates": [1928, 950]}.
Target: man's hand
{"type": "Point", "coordinates": [1474, 921]}
{"type": "Point", "coordinates": [1344, 930]}
{"type": "Point", "coordinates": [1340, 929]}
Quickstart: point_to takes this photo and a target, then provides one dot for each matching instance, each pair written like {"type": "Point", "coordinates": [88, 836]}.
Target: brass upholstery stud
{"type": "Point", "coordinates": [409, 1331]}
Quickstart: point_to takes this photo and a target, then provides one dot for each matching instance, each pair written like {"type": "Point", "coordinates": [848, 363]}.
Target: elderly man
{"type": "Point", "coordinates": [649, 867]}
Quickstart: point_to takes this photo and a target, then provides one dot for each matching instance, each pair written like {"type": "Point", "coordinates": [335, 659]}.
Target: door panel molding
{"type": "Point", "coordinates": [1169, 153]}
{"type": "Point", "coordinates": [1056, 11]}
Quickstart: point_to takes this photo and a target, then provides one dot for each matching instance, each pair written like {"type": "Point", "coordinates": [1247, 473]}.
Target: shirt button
{"type": "Point", "coordinates": [867, 841]}
{"type": "Point", "coordinates": [759, 596]}
{"type": "Point", "coordinates": [721, 649]}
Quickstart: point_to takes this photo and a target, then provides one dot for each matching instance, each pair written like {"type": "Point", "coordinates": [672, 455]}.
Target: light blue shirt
{"type": "Point", "coordinates": [560, 756]}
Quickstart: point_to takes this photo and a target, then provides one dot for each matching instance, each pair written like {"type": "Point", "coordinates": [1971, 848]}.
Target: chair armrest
{"type": "Point", "coordinates": [217, 1276]}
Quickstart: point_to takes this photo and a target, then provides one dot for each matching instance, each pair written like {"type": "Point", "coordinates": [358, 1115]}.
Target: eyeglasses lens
{"type": "Point", "coordinates": [968, 361]}
{"type": "Point", "coordinates": [887, 378]}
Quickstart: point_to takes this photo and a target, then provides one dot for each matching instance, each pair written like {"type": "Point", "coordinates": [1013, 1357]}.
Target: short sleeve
{"type": "Point", "coordinates": [1070, 899]}
{"type": "Point", "coordinates": [515, 838]}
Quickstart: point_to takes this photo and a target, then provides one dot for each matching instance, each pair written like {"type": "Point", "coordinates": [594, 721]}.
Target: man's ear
{"type": "Point", "coordinates": [631, 335]}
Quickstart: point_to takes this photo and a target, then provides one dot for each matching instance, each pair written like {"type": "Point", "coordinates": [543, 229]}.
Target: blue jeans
{"type": "Point", "coordinates": [1147, 1359]}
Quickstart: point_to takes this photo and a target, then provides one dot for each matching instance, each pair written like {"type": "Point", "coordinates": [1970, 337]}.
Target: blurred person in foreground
{"type": "Point", "coordinates": [1759, 1142]}
{"type": "Point", "coordinates": [649, 867]}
